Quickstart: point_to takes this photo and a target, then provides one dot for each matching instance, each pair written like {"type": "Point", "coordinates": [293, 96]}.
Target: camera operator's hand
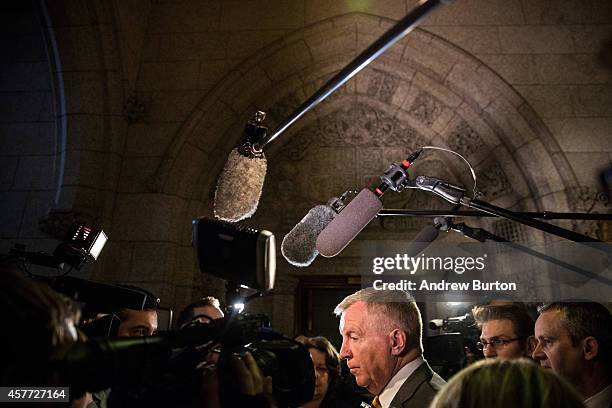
{"type": "Point", "coordinates": [249, 377]}
{"type": "Point", "coordinates": [256, 389]}
{"type": "Point", "coordinates": [210, 389]}
{"type": "Point", "coordinates": [253, 389]}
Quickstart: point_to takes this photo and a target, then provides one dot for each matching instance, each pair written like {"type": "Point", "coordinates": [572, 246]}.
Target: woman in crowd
{"type": "Point", "coordinates": [329, 389]}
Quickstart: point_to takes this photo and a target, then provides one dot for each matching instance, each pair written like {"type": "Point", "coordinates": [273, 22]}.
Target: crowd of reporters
{"type": "Point", "coordinates": [562, 359]}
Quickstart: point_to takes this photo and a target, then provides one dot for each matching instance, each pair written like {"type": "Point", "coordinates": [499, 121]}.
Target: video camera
{"type": "Point", "coordinates": [446, 352]}
{"type": "Point", "coordinates": [82, 245]}
{"type": "Point", "coordinates": [164, 370]}
{"type": "Point", "coordinates": [462, 324]}
{"type": "Point", "coordinates": [246, 258]}
{"type": "Point", "coordinates": [167, 369]}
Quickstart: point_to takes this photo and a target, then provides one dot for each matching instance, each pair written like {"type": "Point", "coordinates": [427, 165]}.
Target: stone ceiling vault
{"type": "Point", "coordinates": [423, 91]}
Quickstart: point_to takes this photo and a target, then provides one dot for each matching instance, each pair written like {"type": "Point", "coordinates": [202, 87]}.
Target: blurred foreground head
{"type": "Point", "coordinates": [38, 323]}
{"type": "Point", "coordinates": [506, 384]}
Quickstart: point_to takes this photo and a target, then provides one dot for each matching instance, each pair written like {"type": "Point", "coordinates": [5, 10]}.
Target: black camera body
{"type": "Point", "coordinates": [162, 369]}
{"type": "Point", "coordinates": [446, 352]}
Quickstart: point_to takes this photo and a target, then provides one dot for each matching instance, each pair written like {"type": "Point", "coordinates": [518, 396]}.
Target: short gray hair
{"type": "Point", "coordinates": [398, 306]}
{"type": "Point", "coordinates": [584, 319]}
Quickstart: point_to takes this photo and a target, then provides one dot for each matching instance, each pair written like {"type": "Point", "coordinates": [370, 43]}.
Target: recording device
{"type": "Point", "coordinates": [235, 253]}
{"type": "Point", "coordinates": [453, 324]}
{"type": "Point", "coordinates": [83, 245]}
{"type": "Point", "coordinates": [233, 186]}
{"type": "Point", "coordinates": [423, 239]}
{"type": "Point", "coordinates": [287, 361]}
{"type": "Point", "coordinates": [105, 297]}
{"type": "Point", "coordinates": [345, 227]}
{"type": "Point", "coordinates": [299, 245]}
{"type": "Point", "coordinates": [167, 369]}
{"type": "Point", "coordinates": [447, 351]}
{"type": "Point", "coordinates": [241, 180]}
{"type": "Point", "coordinates": [362, 209]}
{"type": "Point", "coordinates": [163, 369]}
{"type": "Point", "coordinates": [246, 257]}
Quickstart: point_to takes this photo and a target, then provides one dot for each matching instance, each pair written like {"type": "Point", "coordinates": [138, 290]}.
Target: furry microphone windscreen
{"type": "Point", "coordinates": [239, 187]}
{"type": "Point", "coordinates": [299, 245]}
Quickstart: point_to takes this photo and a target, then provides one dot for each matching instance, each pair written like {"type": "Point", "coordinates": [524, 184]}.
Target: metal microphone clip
{"type": "Point", "coordinates": [396, 176]}
{"type": "Point", "coordinates": [254, 132]}
{"type": "Point", "coordinates": [447, 191]}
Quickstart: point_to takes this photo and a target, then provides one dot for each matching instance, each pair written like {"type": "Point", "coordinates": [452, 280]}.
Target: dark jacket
{"type": "Point", "coordinates": [419, 389]}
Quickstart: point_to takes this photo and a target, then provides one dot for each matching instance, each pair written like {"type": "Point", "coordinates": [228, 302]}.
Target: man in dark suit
{"type": "Point", "coordinates": [382, 343]}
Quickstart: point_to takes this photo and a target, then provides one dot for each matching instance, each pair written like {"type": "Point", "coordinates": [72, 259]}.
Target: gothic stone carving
{"type": "Point", "coordinates": [361, 125]}
{"type": "Point", "coordinates": [463, 139]}
{"type": "Point", "coordinates": [493, 182]}
{"type": "Point", "coordinates": [510, 230]}
{"type": "Point", "coordinates": [426, 108]}
{"type": "Point", "coordinates": [382, 86]}
{"type": "Point", "coordinates": [589, 200]}
{"type": "Point", "coordinates": [347, 149]}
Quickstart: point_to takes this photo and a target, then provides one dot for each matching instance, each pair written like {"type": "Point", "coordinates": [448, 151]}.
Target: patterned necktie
{"type": "Point", "coordinates": [376, 403]}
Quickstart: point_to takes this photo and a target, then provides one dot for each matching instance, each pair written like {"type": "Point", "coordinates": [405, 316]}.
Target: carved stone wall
{"type": "Point", "coordinates": [158, 93]}
{"type": "Point", "coordinates": [425, 91]}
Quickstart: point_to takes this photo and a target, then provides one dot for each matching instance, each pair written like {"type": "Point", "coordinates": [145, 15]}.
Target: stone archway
{"type": "Point", "coordinates": [424, 90]}
{"type": "Point", "coordinates": [424, 81]}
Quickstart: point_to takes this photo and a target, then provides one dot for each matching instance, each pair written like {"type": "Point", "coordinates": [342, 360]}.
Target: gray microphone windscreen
{"type": "Point", "coordinates": [422, 240]}
{"type": "Point", "coordinates": [341, 231]}
{"type": "Point", "coordinates": [299, 245]}
{"type": "Point", "coordinates": [239, 187]}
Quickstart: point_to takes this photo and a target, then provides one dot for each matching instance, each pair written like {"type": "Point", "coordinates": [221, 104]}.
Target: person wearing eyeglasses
{"type": "Point", "coordinates": [506, 331]}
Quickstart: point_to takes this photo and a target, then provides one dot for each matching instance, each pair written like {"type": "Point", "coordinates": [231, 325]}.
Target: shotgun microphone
{"type": "Point", "coordinates": [362, 209]}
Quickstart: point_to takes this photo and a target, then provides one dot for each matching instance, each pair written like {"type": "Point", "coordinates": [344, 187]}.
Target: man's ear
{"type": "Point", "coordinates": [590, 348]}
{"type": "Point", "coordinates": [530, 345]}
{"type": "Point", "coordinates": [398, 341]}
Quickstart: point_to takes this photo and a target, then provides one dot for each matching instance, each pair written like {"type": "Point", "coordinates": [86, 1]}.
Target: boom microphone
{"type": "Point", "coordinates": [299, 245]}
{"type": "Point", "coordinates": [423, 239]}
{"type": "Point", "coordinates": [241, 181]}
{"type": "Point", "coordinates": [345, 227]}
{"type": "Point", "coordinates": [359, 212]}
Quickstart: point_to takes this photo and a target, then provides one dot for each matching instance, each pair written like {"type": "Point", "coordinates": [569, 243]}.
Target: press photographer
{"type": "Point", "coordinates": [256, 367]}
{"type": "Point", "coordinates": [172, 368]}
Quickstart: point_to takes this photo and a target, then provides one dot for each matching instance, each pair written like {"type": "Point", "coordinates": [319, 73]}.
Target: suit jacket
{"type": "Point", "coordinates": [419, 389]}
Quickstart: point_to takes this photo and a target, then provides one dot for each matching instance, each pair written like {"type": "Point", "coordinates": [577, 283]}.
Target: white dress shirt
{"type": "Point", "coordinates": [387, 395]}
